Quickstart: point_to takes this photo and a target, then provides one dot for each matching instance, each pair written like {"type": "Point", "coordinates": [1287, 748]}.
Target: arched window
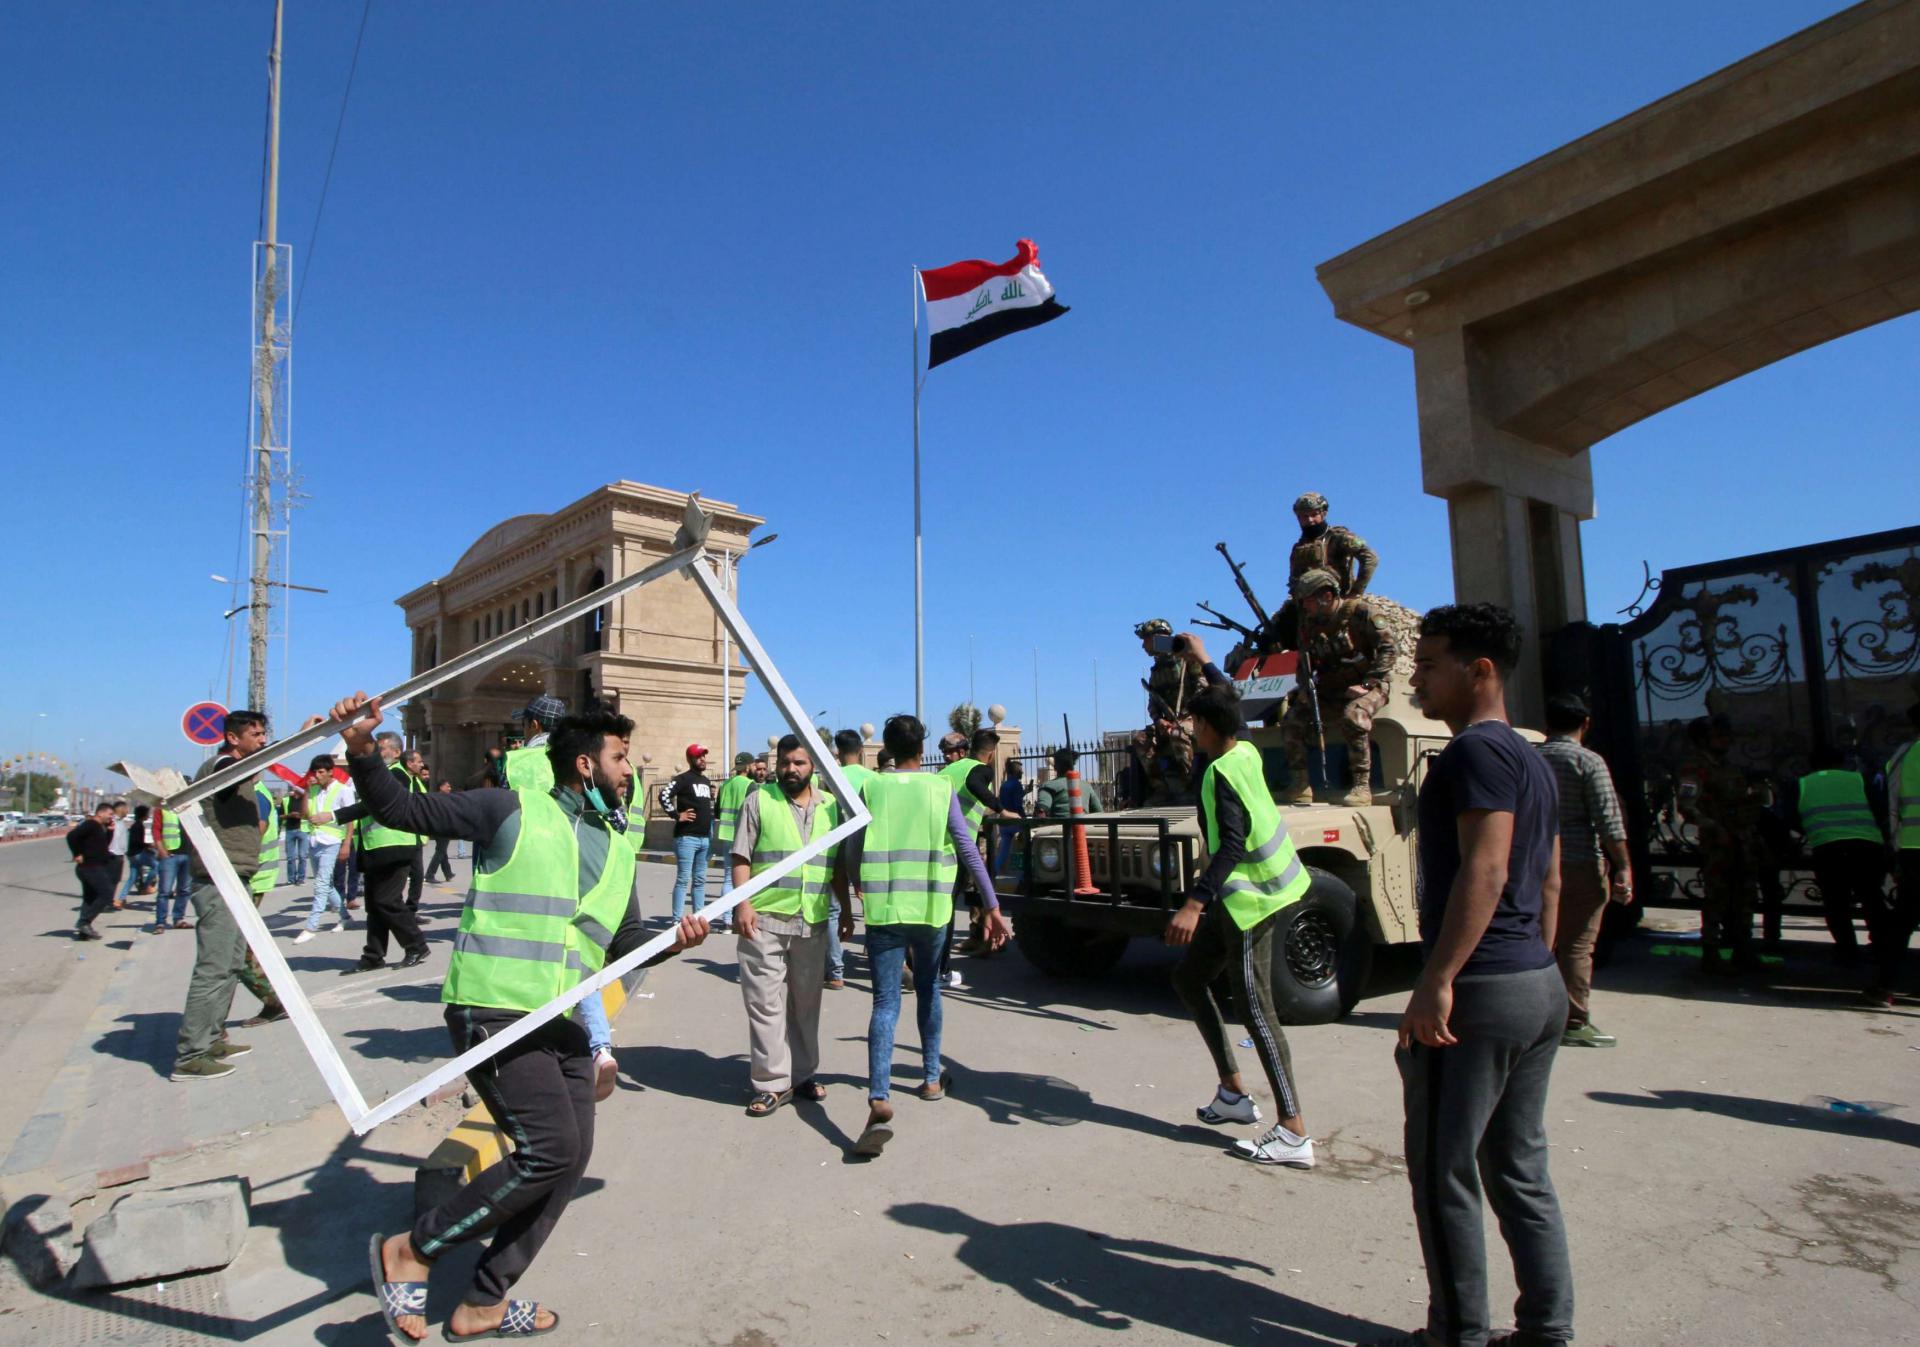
{"type": "Point", "coordinates": [596, 621]}
{"type": "Point", "coordinates": [540, 604]}
{"type": "Point", "coordinates": [476, 631]}
{"type": "Point", "coordinates": [526, 613]}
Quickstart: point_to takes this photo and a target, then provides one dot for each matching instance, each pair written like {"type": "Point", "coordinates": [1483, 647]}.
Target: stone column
{"type": "Point", "coordinates": [1514, 507]}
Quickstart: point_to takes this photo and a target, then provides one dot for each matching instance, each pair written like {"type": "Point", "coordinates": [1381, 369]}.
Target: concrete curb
{"type": "Point", "coordinates": [476, 1141]}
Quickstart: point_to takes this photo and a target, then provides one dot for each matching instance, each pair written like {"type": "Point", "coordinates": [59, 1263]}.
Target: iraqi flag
{"type": "Point", "coordinates": [972, 303]}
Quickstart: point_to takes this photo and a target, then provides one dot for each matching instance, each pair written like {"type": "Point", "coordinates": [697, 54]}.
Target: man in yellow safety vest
{"type": "Point", "coordinates": [902, 867]}
{"type": "Point", "coordinates": [552, 902]}
{"type": "Point", "coordinates": [783, 929]}
{"type": "Point", "coordinates": [1228, 924]}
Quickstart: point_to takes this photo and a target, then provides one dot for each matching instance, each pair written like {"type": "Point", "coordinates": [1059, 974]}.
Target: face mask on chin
{"type": "Point", "coordinates": [615, 816]}
{"type": "Point", "coordinates": [1312, 531]}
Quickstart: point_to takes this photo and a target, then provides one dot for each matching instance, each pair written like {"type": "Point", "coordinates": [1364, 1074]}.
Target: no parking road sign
{"type": "Point", "coordinates": [205, 724]}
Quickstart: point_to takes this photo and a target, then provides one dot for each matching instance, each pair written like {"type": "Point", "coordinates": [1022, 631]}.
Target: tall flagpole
{"type": "Point", "coordinates": [919, 617]}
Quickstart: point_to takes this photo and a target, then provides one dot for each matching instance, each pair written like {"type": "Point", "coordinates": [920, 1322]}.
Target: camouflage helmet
{"type": "Point", "coordinates": [1312, 581]}
{"type": "Point", "coordinates": [1153, 626]}
{"type": "Point", "coordinates": [1311, 500]}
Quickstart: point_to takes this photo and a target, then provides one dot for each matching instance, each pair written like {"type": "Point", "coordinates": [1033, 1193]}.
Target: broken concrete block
{"type": "Point", "coordinates": [165, 1232]}
{"type": "Point", "coordinates": [40, 1239]}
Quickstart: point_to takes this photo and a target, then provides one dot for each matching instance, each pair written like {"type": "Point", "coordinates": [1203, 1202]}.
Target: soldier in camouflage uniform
{"type": "Point", "coordinates": [1352, 655]}
{"type": "Point", "coordinates": [1724, 805]}
{"type": "Point", "coordinates": [1321, 546]}
{"type": "Point", "coordinates": [1164, 747]}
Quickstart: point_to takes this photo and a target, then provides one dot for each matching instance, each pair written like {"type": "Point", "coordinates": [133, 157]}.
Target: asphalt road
{"type": "Point", "coordinates": [1064, 1191]}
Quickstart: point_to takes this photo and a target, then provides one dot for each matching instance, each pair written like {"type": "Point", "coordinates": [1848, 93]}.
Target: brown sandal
{"type": "Point", "coordinates": [810, 1090]}
{"type": "Point", "coordinates": [934, 1091]}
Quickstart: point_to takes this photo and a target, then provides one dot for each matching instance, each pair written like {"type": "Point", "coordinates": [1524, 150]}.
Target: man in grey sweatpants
{"type": "Point", "coordinates": [1480, 1032]}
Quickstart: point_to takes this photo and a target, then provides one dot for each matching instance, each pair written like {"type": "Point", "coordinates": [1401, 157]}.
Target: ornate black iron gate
{"type": "Point", "coordinates": [1803, 649]}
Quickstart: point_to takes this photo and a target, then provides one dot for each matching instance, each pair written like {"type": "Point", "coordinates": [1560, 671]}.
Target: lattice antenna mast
{"type": "Point", "coordinates": [268, 458]}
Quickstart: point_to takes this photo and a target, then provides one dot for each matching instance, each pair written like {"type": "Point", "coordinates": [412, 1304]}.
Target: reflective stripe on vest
{"type": "Point", "coordinates": [1903, 784]}
{"type": "Point", "coordinates": [524, 937]}
{"type": "Point", "coordinates": [325, 801]}
{"type": "Point", "coordinates": [269, 872]}
{"type": "Point", "coordinates": [804, 891]}
{"type": "Point", "coordinates": [733, 793]}
{"type": "Point", "coordinates": [908, 864]}
{"type": "Point", "coordinates": [1833, 808]}
{"type": "Point", "coordinates": [375, 834]}
{"type": "Point", "coordinates": [1269, 876]}
{"type": "Point", "coordinates": [955, 774]}
{"type": "Point", "coordinates": [529, 769]}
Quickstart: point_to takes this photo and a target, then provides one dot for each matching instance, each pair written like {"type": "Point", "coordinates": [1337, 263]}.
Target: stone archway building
{"type": "Point", "coordinates": [654, 652]}
{"type": "Point", "coordinates": [1765, 209]}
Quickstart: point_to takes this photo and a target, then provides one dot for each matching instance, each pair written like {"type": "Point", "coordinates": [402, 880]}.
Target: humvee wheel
{"type": "Point", "coordinates": [1322, 954]}
{"type": "Point", "coordinates": [1064, 951]}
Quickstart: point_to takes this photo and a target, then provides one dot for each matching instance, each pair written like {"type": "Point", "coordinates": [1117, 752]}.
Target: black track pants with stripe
{"type": "Point", "coordinates": [540, 1092]}
{"type": "Point", "coordinates": [1246, 957]}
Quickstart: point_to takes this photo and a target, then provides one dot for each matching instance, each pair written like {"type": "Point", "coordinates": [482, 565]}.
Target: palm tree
{"type": "Point", "coordinates": [964, 719]}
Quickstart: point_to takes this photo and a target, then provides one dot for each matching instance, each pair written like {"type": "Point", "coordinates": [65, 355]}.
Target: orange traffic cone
{"type": "Point", "coordinates": [1082, 862]}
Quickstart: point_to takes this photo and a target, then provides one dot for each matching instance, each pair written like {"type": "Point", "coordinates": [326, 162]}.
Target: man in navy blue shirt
{"type": "Point", "coordinates": [1479, 1034]}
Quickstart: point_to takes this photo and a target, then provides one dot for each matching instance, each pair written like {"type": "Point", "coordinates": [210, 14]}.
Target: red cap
{"type": "Point", "coordinates": [696, 751]}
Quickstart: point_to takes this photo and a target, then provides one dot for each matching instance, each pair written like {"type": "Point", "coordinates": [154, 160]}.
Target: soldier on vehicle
{"type": "Point", "coordinates": [1164, 746]}
{"type": "Point", "coordinates": [1321, 546]}
{"type": "Point", "coordinates": [1351, 652]}
{"type": "Point", "coordinates": [1724, 804]}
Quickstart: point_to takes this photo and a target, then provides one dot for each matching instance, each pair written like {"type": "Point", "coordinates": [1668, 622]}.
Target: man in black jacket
{"type": "Point", "coordinates": [689, 797]}
{"type": "Point", "coordinates": [541, 1088]}
{"type": "Point", "coordinates": [387, 858]}
{"type": "Point", "coordinates": [92, 861]}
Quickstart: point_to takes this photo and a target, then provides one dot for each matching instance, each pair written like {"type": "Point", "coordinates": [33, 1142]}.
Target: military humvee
{"type": "Point", "coordinates": [1142, 862]}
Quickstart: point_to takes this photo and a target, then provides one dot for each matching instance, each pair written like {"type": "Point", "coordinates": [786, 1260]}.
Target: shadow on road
{"type": "Point", "coordinates": [1115, 1284]}
{"type": "Point", "coordinates": [687, 1072]}
{"type": "Point", "coordinates": [149, 1038]}
{"type": "Point", "coordinates": [1013, 1097]}
{"type": "Point", "coordinates": [1771, 1112]}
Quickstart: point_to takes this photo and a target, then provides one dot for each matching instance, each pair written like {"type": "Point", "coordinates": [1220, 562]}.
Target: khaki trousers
{"type": "Point", "coordinates": [782, 971]}
{"type": "Point", "coordinates": [1583, 906]}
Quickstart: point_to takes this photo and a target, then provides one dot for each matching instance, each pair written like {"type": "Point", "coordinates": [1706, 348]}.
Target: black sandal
{"type": "Point", "coordinates": [766, 1103]}
{"type": "Point", "coordinates": [810, 1090]}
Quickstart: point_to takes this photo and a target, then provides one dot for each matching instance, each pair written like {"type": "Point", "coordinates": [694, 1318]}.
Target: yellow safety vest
{"type": "Point", "coordinates": [1269, 876]}
{"type": "Point", "coordinates": [1834, 808]}
{"type": "Point", "coordinates": [805, 890]}
{"type": "Point", "coordinates": [527, 934]}
{"type": "Point", "coordinates": [907, 861]}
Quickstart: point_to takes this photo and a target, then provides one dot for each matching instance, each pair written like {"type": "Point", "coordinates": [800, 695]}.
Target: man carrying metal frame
{"type": "Point", "coordinates": [552, 902]}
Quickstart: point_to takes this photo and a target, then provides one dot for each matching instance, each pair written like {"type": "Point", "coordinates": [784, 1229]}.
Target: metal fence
{"type": "Point", "coordinates": [1109, 766]}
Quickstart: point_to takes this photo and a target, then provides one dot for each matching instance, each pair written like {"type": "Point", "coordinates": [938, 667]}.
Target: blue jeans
{"type": "Point", "coordinates": [176, 882]}
{"type": "Point", "coordinates": [325, 851]}
{"type": "Point", "coordinates": [887, 951]}
{"type": "Point", "coordinates": [141, 867]}
{"type": "Point", "coordinates": [836, 952]}
{"type": "Point", "coordinates": [690, 867]}
{"type": "Point", "coordinates": [296, 845]}
{"type": "Point", "coordinates": [593, 1018]}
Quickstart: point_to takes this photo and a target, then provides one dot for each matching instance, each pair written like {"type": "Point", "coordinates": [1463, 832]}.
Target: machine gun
{"type": "Point", "coordinates": [1225, 623]}
{"type": "Point", "coordinates": [1246, 590]}
{"type": "Point", "coordinates": [1266, 625]}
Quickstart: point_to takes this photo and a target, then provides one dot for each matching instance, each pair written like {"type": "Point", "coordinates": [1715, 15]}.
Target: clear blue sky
{"type": "Point", "coordinates": [572, 243]}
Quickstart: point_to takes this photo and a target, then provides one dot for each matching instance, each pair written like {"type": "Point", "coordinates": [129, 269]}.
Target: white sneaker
{"type": "Point", "coordinates": [1277, 1147]}
{"type": "Point", "coordinates": [1224, 1108]}
{"type": "Point", "coordinates": [953, 980]}
{"type": "Point", "coordinates": [304, 936]}
{"type": "Point", "coordinates": [606, 1074]}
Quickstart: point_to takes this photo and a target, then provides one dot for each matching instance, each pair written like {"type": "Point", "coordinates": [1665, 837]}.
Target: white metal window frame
{"type": "Point", "coordinates": [690, 558]}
